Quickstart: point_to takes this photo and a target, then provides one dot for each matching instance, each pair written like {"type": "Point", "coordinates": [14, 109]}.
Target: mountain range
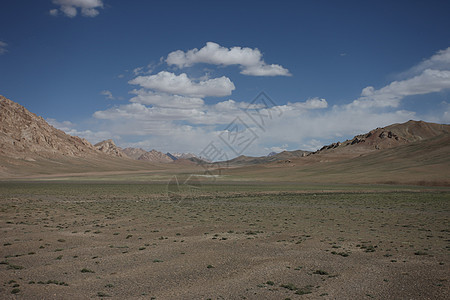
{"type": "Point", "coordinates": [29, 145]}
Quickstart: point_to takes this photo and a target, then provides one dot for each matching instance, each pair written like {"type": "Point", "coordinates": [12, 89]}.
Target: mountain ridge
{"type": "Point", "coordinates": [29, 145]}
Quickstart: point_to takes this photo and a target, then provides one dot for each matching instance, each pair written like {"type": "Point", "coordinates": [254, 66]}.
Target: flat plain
{"type": "Point", "coordinates": [80, 240]}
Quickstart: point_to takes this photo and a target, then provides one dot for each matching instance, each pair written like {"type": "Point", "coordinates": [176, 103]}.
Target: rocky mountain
{"type": "Point", "coordinates": [134, 153]}
{"type": "Point", "coordinates": [387, 137]}
{"type": "Point", "coordinates": [183, 155]}
{"type": "Point", "coordinates": [171, 156]}
{"type": "Point", "coordinates": [284, 156]}
{"type": "Point", "coordinates": [391, 136]}
{"type": "Point", "coordinates": [24, 135]}
{"type": "Point", "coordinates": [110, 148]}
{"type": "Point", "coordinates": [29, 145]}
{"type": "Point", "coordinates": [155, 156]}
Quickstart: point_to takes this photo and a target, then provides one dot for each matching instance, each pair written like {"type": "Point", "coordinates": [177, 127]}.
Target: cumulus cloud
{"type": "Point", "coordinates": [165, 100]}
{"type": "Point", "coordinates": [92, 136]}
{"type": "Point", "coordinates": [312, 103]}
{"type": "Point", "coordinates": [439, 61]}
{"type": "Point", "coordinates": [249, 59]}
{"type": "Point", "coordinates": [429, 81]}
{"type": "Point", "coordinates": [168, 82]}
{"type": "Point", "coordinates": [3, 46]}
{"type": "Point", "coordinates": [167, 112]}
{"type": "Point", "coordinates": [69, 8]}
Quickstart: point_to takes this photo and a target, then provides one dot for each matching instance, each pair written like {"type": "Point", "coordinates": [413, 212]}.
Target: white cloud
{"type": "Point", "coordinates": [93, 137]}
{"type": "Point", "coordinates": [165, 100]}
{"type": "Point", "coordinates": [168, 82]}
{"type": "Point", "coordinates": [312, 103]}
{"type": "Point", "coordinates": [429, 81]}
{"type": "Point", "coordinates": [169, 114]}
{"type": "Point", "coordinates": [265, 70]}
{"type": "Point", "coordinates": [108, 94]}
{"type": "Point", "coordinates": [89, 8]}
{"type": "Point", "coordinates": [297, 127]}
{"type": "Point", "coordinates": [439, 61]}
{"type": "Point", "coordinates": [206, 115]}
{"type": "Point", "coordinates": [277, 149]}
{"type": "Point", "coordinates": [65, 125]}
{"type": "Point", "coordinates": [3, 46]}
{"type": "Point", "coordinates": [137, 71]}
{"type": "Point", "coordinates": [54, 12]}
{"type": "Point", "coordinates": [312, 145]}
{"type": "Point", "coordinates": [249, 59]}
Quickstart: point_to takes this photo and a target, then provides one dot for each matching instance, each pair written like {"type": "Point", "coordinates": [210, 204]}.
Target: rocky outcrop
{"type": "Point", "coordinates": [183, 155]}
{"type": "Point", "coordinates": [134, 153]}
{"type": "Point", "coordinates": [389, 137]}
{"type": "Point", "coordinates": [24, 135]}
{"type": "Point", "coordinates": [110, 148]}
{"type": "Point", "coordinates": [155, 156]}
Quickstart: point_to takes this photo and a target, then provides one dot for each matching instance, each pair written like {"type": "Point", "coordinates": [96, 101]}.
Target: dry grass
{"type": "Point", "coordinates": [252, 241]}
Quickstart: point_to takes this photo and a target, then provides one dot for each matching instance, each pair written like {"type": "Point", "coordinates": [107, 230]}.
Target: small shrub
{"type": "Point", "coordinates": [289, 286]}
{"type": "Point", "coordinates": [304, 290]}
{"type": "Point", "coordinates": [14, 267]}
{"type": "Point", "coordinates": [84, 270]}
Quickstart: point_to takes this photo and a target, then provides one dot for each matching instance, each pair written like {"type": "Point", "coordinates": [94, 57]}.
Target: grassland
{"type": "Point", "coordinates": [78, 240]}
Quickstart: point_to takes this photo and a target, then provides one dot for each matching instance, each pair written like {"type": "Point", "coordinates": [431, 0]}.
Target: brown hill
{"type": "Point", "coordinates": [29, 145]}
{"type": "Point", "coordinates": [278, 157]}
{"type": "Point", "coordinates": [110, 148]}
{"type": "Point", "coordinates": [387, 137]}
{"type": "Point", "coordinates": [134, 153]}
{"type": "Point", "coordinates": [412, 152]}
{"type": "Point", "coordinates": [24, 135]}
{"type": "Point", "coordinates": [424, 162]}
{"type": "Point", "coordinates": [155, 156]}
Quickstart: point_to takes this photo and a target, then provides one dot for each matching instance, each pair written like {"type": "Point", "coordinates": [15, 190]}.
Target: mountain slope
{"type": "Point", "coordinates": [24, 135]}
{"type": "Point", "coordinates": [388, 137]}
{"type": "Point", "coordinates": [29, 145]}
{"type": "Point", "coordinates": [110, 148]}
{"type": "Point", "coordinates": [134, 153]}
{"type": "Point", "coordinates": [249, 160]}
{"type": "Point", "coordinates": [424, 162]}
{"type": "Point", "coordinates": [155, 156]}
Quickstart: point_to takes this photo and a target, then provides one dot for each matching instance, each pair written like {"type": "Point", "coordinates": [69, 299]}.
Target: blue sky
{"type": "Point", "coordinates": [173, 75]}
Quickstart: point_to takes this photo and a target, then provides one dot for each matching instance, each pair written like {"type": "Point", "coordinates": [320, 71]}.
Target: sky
{"type": "Point", "coordinates": [226, 78]}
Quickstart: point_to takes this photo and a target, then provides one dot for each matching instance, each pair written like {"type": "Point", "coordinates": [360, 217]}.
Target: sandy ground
{"type": "Point", "coordinates": [81, 242]}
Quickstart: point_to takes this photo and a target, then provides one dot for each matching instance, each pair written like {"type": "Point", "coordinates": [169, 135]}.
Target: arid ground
{"type": "Point", "coordinates": [79, 240]}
